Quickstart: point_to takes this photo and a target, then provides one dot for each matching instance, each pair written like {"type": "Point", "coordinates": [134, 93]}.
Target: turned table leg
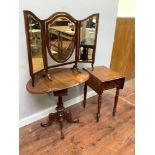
{"type": "Point", "coordinates": [85, 95]}
{"type": "Point", "coordinates": [99, 107]}
{"type": "Point", "coordinates": [115, 102]}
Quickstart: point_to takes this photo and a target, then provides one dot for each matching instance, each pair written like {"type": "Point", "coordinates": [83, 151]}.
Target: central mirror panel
{"type": "Point", "coordinates": [61, 38]}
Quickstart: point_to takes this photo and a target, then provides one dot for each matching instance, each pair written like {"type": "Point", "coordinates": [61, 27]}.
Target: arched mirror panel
{"type": "Point", "coordinates": [34, 39]}
{"type": "Point", "coordinates": [88, 38]}
{"type": "Point", "coordinates": [61, 36]}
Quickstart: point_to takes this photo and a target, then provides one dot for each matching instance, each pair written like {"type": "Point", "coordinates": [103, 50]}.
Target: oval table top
{"type": "Point", "coordinates": [62, 78]}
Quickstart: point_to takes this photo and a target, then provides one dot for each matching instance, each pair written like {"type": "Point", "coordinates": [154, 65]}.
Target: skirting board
{"type": "Point", "coordinates": [44, 113]}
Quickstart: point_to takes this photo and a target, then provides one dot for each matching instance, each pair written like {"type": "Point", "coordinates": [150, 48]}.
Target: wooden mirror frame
{"type": "Point", "coordinates": [44, 36]}
{"type": "Point", "coordinates": [52, 19]}
{"type": "Point", "coordinates": [32, 73]}
{"type": "Point", "coordinates": [96, 32]}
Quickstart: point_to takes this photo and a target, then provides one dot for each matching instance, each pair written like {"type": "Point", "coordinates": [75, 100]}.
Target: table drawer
{"type": "Point", "coordinates": [118, 83]}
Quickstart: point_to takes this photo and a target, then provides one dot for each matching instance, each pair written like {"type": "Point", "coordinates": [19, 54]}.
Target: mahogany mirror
{"type": "Point", "coordinates": [34, 37]}
{"type": "Point", "coordinates": [88, 39]}
{"type": "Point", "coordinates": [35, 44]}
{"type": "Point", "coordinates": [60, 38]}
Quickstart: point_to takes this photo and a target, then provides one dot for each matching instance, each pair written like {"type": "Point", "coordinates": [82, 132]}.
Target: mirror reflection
{"type": "Point", "coordinates": [87, 38]}
{"type": "Point", "coordinates": [61, 34]}
{"type": "Point", "coordinates": [35, 44]}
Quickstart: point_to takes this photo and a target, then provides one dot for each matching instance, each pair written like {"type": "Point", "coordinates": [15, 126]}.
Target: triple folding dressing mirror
{"type": "Point", "coordinates": [59, 36]}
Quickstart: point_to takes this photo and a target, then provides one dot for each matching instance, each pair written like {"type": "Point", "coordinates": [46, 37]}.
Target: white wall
{"type": "Point", "coordinates": [30, 104]}
{"type": "Point", "coordinates": [126, 8]}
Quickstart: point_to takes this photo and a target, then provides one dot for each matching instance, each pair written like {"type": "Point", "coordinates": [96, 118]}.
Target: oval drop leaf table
{"type": "Point", "coordinates": [61, 80]}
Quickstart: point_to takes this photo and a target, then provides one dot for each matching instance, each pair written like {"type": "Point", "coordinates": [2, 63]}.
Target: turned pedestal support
{"type": "Point", "coordinates": [61, 114]}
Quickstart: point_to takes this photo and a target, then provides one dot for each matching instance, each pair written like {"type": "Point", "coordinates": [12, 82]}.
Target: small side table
{"type": "Point", "coordinates": [101, 79]}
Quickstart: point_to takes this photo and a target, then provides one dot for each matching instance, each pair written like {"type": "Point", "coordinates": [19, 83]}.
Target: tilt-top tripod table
{"type": "Point", "coordinates": [62, 79]}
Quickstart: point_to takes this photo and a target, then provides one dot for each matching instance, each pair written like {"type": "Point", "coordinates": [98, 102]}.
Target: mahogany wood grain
{"type": "Point", "coordinates": [62, 78]}
{"type": "Point", "coordinates": [103, 78]}
{"type": "Point", "coordinates": [104, 74]}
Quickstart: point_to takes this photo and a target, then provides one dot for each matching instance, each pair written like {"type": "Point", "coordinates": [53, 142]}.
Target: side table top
{"type": "Point", "coordinates": [62, 78]}
{"type": "Point", "coordinates": [103, 73]}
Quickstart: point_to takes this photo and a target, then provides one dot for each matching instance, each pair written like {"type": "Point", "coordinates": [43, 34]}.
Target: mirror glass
{"type": "Point", "coordinates": [88, 31]}
{"type": "Point", "coordinates": [61, 39]}
{"type": "Point", "coordinates": [35, 43]}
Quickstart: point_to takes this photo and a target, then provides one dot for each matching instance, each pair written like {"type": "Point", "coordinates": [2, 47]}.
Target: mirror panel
{"type": "Point", "coordinates": [35, 43]}
{"type": "Point", "coordinates": [88, 34]}
{"type": "Point", "coordinates": [61, 39]}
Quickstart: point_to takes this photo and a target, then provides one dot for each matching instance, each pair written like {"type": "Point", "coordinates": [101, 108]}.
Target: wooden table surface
{"type": "Point", "coordinates": [62, 78]}
{"type": "Point", "coordinates": [103, 73]}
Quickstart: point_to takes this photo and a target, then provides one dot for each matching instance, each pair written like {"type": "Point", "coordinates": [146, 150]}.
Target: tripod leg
{"type": "Point", "coordinates": [52, 116]}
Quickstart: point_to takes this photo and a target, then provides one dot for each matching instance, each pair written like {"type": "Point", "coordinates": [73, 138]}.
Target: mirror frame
{"type": "Point", "coordinates": [44, 36]}
{"type": "Point", "coordinates": [96, 32]}
{"type": "Point", "coordinates": [31, 71]}
{"type": "Point", "coordinates": [51, 19]}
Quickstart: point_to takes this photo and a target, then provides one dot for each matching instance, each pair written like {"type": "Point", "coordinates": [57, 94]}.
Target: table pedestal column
{"type": "Point", "coordinates": [61, 114]}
